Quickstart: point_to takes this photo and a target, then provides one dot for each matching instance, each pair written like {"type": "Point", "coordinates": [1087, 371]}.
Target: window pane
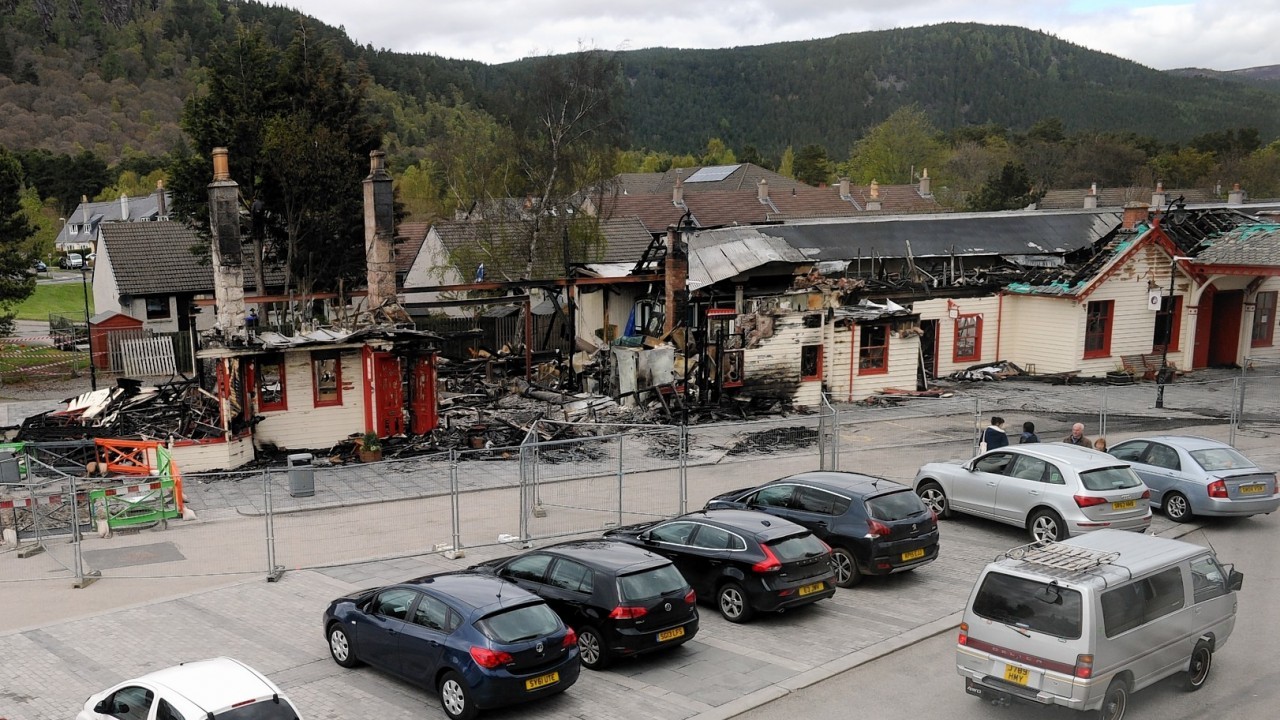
{"type": "Point", "coordinates": [712, 538]}
{"type": "Point", "coordinates": [1030, 604]}
{"type": "Point", "coordinates": [326, 371]}
{"type": "Point", "coordinates": [271, 382]}
{"type": "Point", "coordinates": [651, 583]}
{"type": "Point", "coordinates": [1207, 580]}
{"type": "Point", "coordinates": [570, 576]}
{"type": "Point", "coordinates": [676, 533]}
{"type": "Point", "coordinates": [529, 567]}
{"type": "Point", "coordinates": [872, 342]}
{"type": "Point", "coordinates": [394, 603]}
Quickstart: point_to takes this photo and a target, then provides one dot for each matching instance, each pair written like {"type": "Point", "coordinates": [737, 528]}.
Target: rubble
{"type": "Point", "coordinates": [767, 442]}
{"type": "Point", "coordinates": [178, 410]}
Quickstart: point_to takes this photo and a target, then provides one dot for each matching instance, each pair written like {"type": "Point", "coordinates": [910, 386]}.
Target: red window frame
{"type": "Point", "coordinates": [1099, 317]}
{"type": "Point", "coordinates": [873, 359]}
{"type": "Point", "coordinates": [817, 375]}
{"type": "Point", "coordinates": [281, 403]}
{"type": "Point", "coordinates": [317, 360]}
{"type": "Point", "coordinates": [1264, 319]}
{"type": "Point", "coordinates": [968, 335]}
{"type": "Point", "coordinates": [1162, 317]}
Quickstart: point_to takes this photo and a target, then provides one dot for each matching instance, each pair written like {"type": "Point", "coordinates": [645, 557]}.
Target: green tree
{"type": "Point", "coordinates": [750, 154]}
{"type": "Point", "coordinates": [812, 166]}
{"type": "Point", "coordinates": [419, 190]}
{"type": "Point", "coordinates": [1010, 189]}
{"type": "Point", "coordinates": [1187, 167]}
{"type": "Point", "coordinates": [787, 166]}
{"type": "Point", "coordinates": [16, 284]}
{"type": "Point", "coordinates": [893, 151]}
{"type": "Point", "coordinates": [717, 153]}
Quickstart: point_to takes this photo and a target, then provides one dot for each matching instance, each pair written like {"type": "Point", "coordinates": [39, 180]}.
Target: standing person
{"type": "Point", "coordinates": [1028, 433]}
{"type": "Point", "coordinates": [1077, 436]}
{"type": "Point", "coordinates": [994, 436]}
{"type": "Point", "coordinates": [1100, 444]}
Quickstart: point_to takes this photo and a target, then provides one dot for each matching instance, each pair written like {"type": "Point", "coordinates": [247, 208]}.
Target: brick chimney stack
{"type": "Point", "coordinates": [1158, 200]}
{"type": "Point", "coordinates": [379, 233]}
{"type": "Point", "coordinates": [1091, 197]}
{"type": "Point", "coordinates": [873, 202]}
{"type": "Point", "coordinates": [1236, 196]}
{"type": "Point", "coordinates": [162, 207]}
{"type": "Point", "coordinates": [844, 188]}
{"type": "Point", "coordinates": [1135, 213]}
{"type": "Point", "coordinates": [228, 255]}
{"type": "Point", "coordinates": [676, 275]}
{"type": "Point", "coordinates": [762, 190]}
{"type": "Point", "coordinates": [925, 190]}
{"type": "Point", "coordinates": [677, 194]}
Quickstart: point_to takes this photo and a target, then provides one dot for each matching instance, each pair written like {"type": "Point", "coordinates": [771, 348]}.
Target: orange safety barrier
{"type": "Point", "coordinates": [129, 457]}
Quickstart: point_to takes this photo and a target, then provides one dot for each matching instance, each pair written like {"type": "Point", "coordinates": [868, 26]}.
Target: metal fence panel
{"type": "Point", "coordinates": [1259, 406]}
{"type": "Point", "coordinates": [489, 496]}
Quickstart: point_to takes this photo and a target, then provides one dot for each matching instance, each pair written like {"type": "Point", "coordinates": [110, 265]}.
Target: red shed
{"type": "Point", "coordinates": [101, 326]}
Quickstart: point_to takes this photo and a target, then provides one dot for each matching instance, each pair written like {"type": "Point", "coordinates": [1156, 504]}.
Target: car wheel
{"type": "Point", "coordinates": [1046, 526]}
{"type": "Point", "coordinates": [340, 647]}
{"type": "Point", "coordinates": [845, 567]}
{"type": "Point", "coordinates": [455, 697]}
{"type": "Point", "coordinates": [1177, 508]}
{"type": "Point", "coordinates": [732, 602]}
{"type": "Point", "coordinates": [1198, 672]}
{"type": "Point", "coordinates": [1115, 701]}
{"type": "Point", "coordinates": [592, 650]}
{"type": "Point", "coordinates": [934, 498]}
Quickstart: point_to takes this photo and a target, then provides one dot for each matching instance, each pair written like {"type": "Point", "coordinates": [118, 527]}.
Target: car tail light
{"type": "Point", "coordinates": [769, 564]}
{"type": "Point", "coordinates": [964, 634]}
{"type": "Point", "coordinates": [1085, 501]}
{"type": "Point", "coordinates": [1146, 494]}
{"type": "Point", "coordinates": [570, 639]}
{"type": "Point", "coordinates": [934, 515]}
{"type": "Point", "coordinates": [1084, 666]}
{"type": "Point", "coordinates": [490, 659]}
{"type": "Point", "coordinates": [875, 528]}
{"type": "Point", "coordinates": [628, 612]}
{"type": "Point", "coordinates": [1218, 489]}
{"type": "Point", "coordinates": [691, 597]}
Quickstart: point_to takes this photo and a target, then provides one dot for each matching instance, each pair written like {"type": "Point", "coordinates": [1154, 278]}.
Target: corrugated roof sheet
{"type": "Point", "coordinates": [721, 254]}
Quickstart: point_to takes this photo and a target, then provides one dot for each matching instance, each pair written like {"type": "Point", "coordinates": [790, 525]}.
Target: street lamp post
{"type": "Point", "coordinates": [93, 368]}
{"type": "Point", "coordinates": [1163, 375]}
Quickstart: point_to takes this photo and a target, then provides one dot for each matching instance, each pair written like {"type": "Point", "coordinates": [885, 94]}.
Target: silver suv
{"type": "Point", "coordinates": [1054, 490]}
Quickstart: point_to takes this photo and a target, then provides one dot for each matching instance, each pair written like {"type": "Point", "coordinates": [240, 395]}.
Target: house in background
{"type": "Point", "coordinates": [80, 232]}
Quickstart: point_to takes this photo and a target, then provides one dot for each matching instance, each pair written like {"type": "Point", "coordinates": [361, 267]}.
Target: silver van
{"type": "Point", "coordinates": [1085, 622]}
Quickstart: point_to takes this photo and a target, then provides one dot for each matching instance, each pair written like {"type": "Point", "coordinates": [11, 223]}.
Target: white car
{"type": "Point", "coordinates": [1054, 490]}
{"type": "Point", "coordinates": [216, 689]}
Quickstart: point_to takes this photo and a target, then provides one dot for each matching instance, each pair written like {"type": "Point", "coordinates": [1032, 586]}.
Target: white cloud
{"type": "Point", "coordinates": [1218, 34]}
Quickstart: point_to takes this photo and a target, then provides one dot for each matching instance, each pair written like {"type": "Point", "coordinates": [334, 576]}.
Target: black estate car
{"type": "Point", "coordinates": [874, 526]}
{"type": "Point", "coordinates": [621, 600]}
{"type": "Point", "coordinates": [475, 640]}
{"type": "Point", "coordinates": [747, 561]}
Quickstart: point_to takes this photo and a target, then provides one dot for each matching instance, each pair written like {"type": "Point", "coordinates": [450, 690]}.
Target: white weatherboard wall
{"type": "Point", "coordinates": [1046, 332]}
{"type": "Point", "coordinates": [902, 362]}
{"type": "Point", "coordinates": [987, 307]}
{"type": "Point", "coordinates": [197, 456]}
{"type": "Point", "coordinates": [773, 368]}
{"type": "Point", "coordinates": [1133, 323]}
{"type": "Point", "coordinates": [1267, 353]}
{"type": "Point", "coordinates": [304, 425]}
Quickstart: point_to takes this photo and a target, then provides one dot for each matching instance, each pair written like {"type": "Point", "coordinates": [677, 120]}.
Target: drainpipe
{"type": "Point", "coordinates": [999, 321]}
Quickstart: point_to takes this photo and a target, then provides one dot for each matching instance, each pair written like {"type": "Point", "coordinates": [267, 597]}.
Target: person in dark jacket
{"type": "Point", "coordinates": [1077, 437]}
{"type": "Point", "coordinates": [994, 436]}
{"type": "Point", "coordinates": [1028, 433]}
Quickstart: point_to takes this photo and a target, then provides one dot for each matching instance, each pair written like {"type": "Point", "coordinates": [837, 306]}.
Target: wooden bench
{"type": "Point", "coordinates": [1142, 366]}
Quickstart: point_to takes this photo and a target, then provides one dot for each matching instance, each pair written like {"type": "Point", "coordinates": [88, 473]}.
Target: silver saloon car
{"type": "Point", "coordinates": [1054, 490]}
{"type": "Point", "coordinates": [1191, 476]}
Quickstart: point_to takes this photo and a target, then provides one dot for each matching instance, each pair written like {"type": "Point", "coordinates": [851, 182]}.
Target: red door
{"type": "Point", "coordinates": [390, 398]}
{"type": "Point", "coordinates": [422, 390]}
{"type": "Point", "coordinates": [1204, 329]}
{"type": "Point", "coordinates": [1224, 340]}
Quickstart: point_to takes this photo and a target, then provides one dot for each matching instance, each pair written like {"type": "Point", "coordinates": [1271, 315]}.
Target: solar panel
{"type": "Point", "coordinates": [712, 173]}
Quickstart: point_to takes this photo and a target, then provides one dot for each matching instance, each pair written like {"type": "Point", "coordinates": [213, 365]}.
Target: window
{"type": "Point", "coordinates": [651, 583]}
{"type": "Point", "coordinates": [131, 703]}
{"type": "Point", "coordinates": [1029, 468]}
{"type": "Point", "coordinates": [572, 576]}
{"type": "Point", "coordinates": [158, 308]}
{"type": "Point", "coordinates": [165, 711]}
{"type": "Point", "coordinates": [1131, 451]}
{"type": "Point", "coordinates": [995, 462]}
{"type": "Point", "coordinates": [1208, 581]}
{"type": "Point", "coordinates": [394, 603]}
{"type": "Point", "coordinates": [431, 614]}
{"type": "Point", "coordinates": [811, 362]}
{"type": "Point", "coordinates": [1030, 604]}
{"type": "Point", "coordinates": [968, 347]}
{"type": "Point", "coordinates": [529, 567]}
{"type": "Point", "coordinates": [676, 533]}
{"type": "Point", "coordinates": [1113, 478]}
{"type": "Point", "coordinates": [1264, 319]}
{"type": "Point", "coordinates": [326, 373]}
{"type": "Point", "coordinates": [270, 378]}
{"type": "Point", "coordinates": [813, 500]}
{"type": "Point", "coordinates": [873, 349]}
{"type": "Point", "coordinates": [773, 496]}
{"type": "Point", "coordinates": [1163, 456]}
{"type": "Point", "coordinates": [1168, 324]}
{"type": "Point", "coordinates": [712, 538]}
{"type": "Point", "coordinates": [1097, 329]}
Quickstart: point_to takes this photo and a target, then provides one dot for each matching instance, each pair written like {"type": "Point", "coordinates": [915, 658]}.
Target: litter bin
{"type": "Point", "coordinates": [302, 476]}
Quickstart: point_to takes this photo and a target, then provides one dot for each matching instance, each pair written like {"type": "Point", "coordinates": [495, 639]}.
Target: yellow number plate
{"type": "Point", "coordinates": [811, 588]}
{"type": "Point", "coordinates": [1252, 489]}
{"type": "Point", "coordinates": [1015, 674]}
{"type": "Point", "coordinates": [671, 634]}
{"type": "Point", "coordinates": [1124, 505]}
{"type": "Point", "coordinates": [542, 681]}
{"type": "Point", "coordinates": [913, 555]}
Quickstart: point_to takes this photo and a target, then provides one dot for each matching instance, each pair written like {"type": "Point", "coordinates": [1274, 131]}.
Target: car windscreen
{"type": "Point", "coordinates": [1034, 605]}
{"type": "Point", "coordinates": [1213, 459]}
{"type": "Point", "coordinates": [1110, 478]}
{"type": "Point", "coordinates": [796, 547]}
{"type": "Point", "coordinates": [895, 505]}
{"type": "Point", "coordinates": [651, 583]}
{"type": "Point", "coordinates": [523, 623]}
{"type": "Point", "coordinates": [267, 709]}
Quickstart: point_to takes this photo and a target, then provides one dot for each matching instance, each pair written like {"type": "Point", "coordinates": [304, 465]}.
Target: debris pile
{"type": "Point", "coordinates": [767, 442]}
{"type": "Point", "coordinates": [179, 410]}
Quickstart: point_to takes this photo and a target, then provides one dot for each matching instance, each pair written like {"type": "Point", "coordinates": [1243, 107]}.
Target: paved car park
{"type": "Point", "coordinates": [53, 666]}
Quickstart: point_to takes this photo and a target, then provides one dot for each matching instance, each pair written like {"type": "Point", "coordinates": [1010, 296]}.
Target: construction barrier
{"type": "Point", "coordinates": [131, 505]}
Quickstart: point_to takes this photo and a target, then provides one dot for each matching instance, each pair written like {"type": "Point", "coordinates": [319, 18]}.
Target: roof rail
{"type": "Point", "coordinates": [1060, 556]}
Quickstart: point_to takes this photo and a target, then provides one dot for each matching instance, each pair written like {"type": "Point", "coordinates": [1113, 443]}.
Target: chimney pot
{"type": "Point", "coordinates": [221, 166]}
{"type": "Point", "coordinates": [762, 190]}
{"type": "Point", "coordinates": [925, 190]}
{"type": "Point", "coordinates": [1236, 196]}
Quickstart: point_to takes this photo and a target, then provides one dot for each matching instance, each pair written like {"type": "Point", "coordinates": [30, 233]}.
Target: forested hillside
{"type": "Point", "coordinates": [110, 76]}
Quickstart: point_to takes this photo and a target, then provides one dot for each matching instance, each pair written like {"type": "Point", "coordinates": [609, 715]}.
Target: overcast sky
{"type": "Point", "coordinates": [1216, 34]}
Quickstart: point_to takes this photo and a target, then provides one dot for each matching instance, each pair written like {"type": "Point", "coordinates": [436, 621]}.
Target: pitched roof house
{"type": "Point", "coordinates": [80, 232]}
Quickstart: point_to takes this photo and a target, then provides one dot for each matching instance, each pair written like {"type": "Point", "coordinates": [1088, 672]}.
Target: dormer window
{"type": "Point", "coordinates": [75, 229]}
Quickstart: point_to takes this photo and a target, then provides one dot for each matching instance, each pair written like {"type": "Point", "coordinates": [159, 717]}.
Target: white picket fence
{"type": "Point", "coordinates": [147, 356]}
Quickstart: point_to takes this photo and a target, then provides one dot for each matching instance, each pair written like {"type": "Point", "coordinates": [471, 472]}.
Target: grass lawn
{"type": "Point", "coordinates": [25, 362]}
{"type": "Point", "coordinates": [66, 298]}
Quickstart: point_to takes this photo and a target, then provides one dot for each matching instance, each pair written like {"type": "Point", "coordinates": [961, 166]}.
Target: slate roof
{"type": "Point", "coordinates": [745, 176]}
{"type": "Point", "coordinates": [143, 208]}
{"type": "Point", "coordinates": [408, 242]}
{"type": "Point", "coordinates": [1117, 197]}
{"type": "Point", "coordinates": [154, 258]}
{"type": "Point", "coordinates": [1252, 245]}
{"type": "Point", "coordinates": [626, 239]}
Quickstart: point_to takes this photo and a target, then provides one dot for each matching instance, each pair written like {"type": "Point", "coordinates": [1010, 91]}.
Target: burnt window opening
{"type": "Point", "coordinates": [271, 383]}
{"type": "Point", "coordinates": [873, 349]}
{"type": "Point", "coordinates": [326, 377]}
{"type": "Point", "coordinates": [811, 362]}
{"type": "Point", "coordinates": [813, 320]}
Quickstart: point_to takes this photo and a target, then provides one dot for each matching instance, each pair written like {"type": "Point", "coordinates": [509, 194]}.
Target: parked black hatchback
{"type": "Point", "coordinates": [747, 561]}
{"type": "Point", "coordinates": [621, 600]}
{"type": "Point", "coordinates": [874, 526]}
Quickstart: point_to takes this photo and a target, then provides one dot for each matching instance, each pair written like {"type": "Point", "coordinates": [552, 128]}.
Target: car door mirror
{"type": "Point", "coordinates": [1235, 579]}
{"type": "Point", "coordinates": [103, 707]}
{"type": "Point", "coordinates": [645, 538]}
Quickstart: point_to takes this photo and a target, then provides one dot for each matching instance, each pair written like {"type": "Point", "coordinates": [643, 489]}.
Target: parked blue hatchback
{"type": "Point", "coordinates": [479, 642]}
